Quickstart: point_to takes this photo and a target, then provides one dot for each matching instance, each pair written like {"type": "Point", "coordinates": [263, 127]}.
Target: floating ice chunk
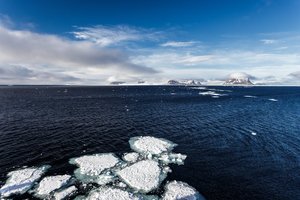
{"type": "Point", "coordinates": [105, 193]}
{"type": "Point", "coordinates": [175, 158]}
{"type": "Point", "coordinates": [143, 176]}
{"type": "Point", "coordinates": [250, 96]}
{"type": "Point", "coordinates": [104, 179]}
{"type": "Point", "coordinates": [21, 180]}
{"type": "Point", "coordinates": [148, 197]}
{"type": "Point", "coordinates": [64, 193]}
{"type": "Point", "coordinates": [272, 99]}
{"type": "Point", "coordinates": [91, 166]}
{"type": "Point", "coordinates": [121, 184]}
{"type": "Point", "coordinates": [198, 88]}
{"type": "Point", "coordinates": [176, 190]}
{"type": "Point", "coordinates": [150, 145]}
{"type": "Point", "coordinates": [49, 184]}
{"type": "Point", "coordinates": [131, 157]}
{"type": "Point", "coordinates": [211, 93]}
{"type": "Point", "coordinates": [253, 133]}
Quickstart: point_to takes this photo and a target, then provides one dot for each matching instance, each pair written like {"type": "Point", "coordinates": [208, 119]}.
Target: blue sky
{"type": "Point", "coordinates": [97, 42]}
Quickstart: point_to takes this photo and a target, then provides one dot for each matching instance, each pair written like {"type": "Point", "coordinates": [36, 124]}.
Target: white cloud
{"type": "Point", "coordinates": [268, 41]}
{"type": "Point", "coordinates": [113, 35]}
{"type": "Point", "coordinates": [179, 44]}
{"type": "Point", "coordinates": [171, 59]}
{"type": "Point", "coordinates": [57, 56]}
{"type": "Point", "coordinates": [295, 75]}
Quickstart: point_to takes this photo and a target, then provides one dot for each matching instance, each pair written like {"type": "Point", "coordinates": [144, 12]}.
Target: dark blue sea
{"type": "Point", "coordinates": [238, 147]}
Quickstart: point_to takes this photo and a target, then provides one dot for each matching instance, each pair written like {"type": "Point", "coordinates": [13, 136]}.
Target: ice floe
{"type": "Point", "coordinates": [177, 190]}
{"type": "Point", "coordinates": [91, 166]}
{"type": "Point", "coordinates": [151, 145]}
{"type": "Point", "coordinates": [175, 158]}
{"type": "Point", "coordinates": [20, 181]}
{"type": "Point", "coordinates": [143, 176]}
{"type": "Point", "coordinates": [250, 96]}
{"type": "Point", "coordinates": [211, 93]}
{"type": "Point", "coordinates": [111, 193]}
{"type": "Point", "coordinates": [63, 194]}
{"type": "Point", "coordinates": [50, 184]}
{"type": "Point", "coordinates": [138, 176]}
{"type": "Point", "coordinates": [131, 157]}
{"type": "Point", "coordinates": [272, 99]}
{"type": "Point", "coordinates": [253, 133]}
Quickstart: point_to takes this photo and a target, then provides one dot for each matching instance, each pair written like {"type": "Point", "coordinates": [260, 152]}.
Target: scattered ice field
{"type": "Point", "coordinates": [137, 176]}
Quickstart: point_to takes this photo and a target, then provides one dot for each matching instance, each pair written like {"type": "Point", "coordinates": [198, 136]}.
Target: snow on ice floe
{"type": "Point", "coordinates": [50, 184]}
{"type": "Point", "coordinates": [21, 180]}
{"type": "Point", "coordinates": [63, 194]}
{"type": "Point", "coordinates": [131, 157]}
{"type": "Point", "coordinates": [150, 145]}
{"type": "Point", "coordinates": [111, 193]}
{"type": "Point", "coordinates": [272, 99]}
{"type": "Point", "coordinates": [143, 176]}
{"type": "Point", "coordinates": [176, 190]}
{"type": "Point", "coordinates": [91, 166]}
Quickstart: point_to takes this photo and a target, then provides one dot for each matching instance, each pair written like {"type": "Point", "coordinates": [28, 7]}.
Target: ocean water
{"type": "Point", "coordinates": [244, 144]}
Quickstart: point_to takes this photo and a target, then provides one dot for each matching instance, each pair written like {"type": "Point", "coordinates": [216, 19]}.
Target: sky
{"type": "Point", "coordinates": [99, 42]}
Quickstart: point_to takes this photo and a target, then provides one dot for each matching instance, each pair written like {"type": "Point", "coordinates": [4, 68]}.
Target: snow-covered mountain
{"type": "Point", "coordinates": [239, 78]}
{"type": "Point", "coordinates": [184, 82]}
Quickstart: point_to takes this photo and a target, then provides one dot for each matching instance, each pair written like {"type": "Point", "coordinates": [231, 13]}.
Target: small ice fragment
{"type": "Point", "coordinates": [211, 93]}
{"type": "Point", "coordinates": [253, 133]}
{"type": "Point", "coordinates": [49, 184]}
{"type": "Point", "coordinates": [121, 184]}
{"type": "Point", "coordinates": [150, 145]}
{"type": "Point", "coordinates": [272, 99]}
{"type": "Point", "coordinates": [198, 88]}
{"type": "Point", "coordinates": [21, 180]}
{"type": "Point", "coordinates": [104, 179]}
{"type": "Point", "coordinates": [143, 176]}
{"type": "Point", "coordinates": [64, 193]}
{"type": "Point", "coordinates": [131, 157]}
{"type": "Point", "coordinates": [175, 158]}
{"type": "Point", "coordinates": [91, 166]}
{"type": "Point", "coordinates": [105, 193]}
{"type": "Point", "coordinates": [167, 169]}
{"type": "Point", "coordinates": [179, 190]}
{"type": "Point", "coordinates": [249, 96]}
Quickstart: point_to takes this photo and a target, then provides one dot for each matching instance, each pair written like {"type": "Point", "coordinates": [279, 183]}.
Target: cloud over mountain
{"type": "Point", "coordinates": [57, 55]}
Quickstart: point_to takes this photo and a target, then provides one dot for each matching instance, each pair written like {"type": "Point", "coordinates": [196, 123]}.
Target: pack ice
{"type": "Point", "coordinates": [137, 176]}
